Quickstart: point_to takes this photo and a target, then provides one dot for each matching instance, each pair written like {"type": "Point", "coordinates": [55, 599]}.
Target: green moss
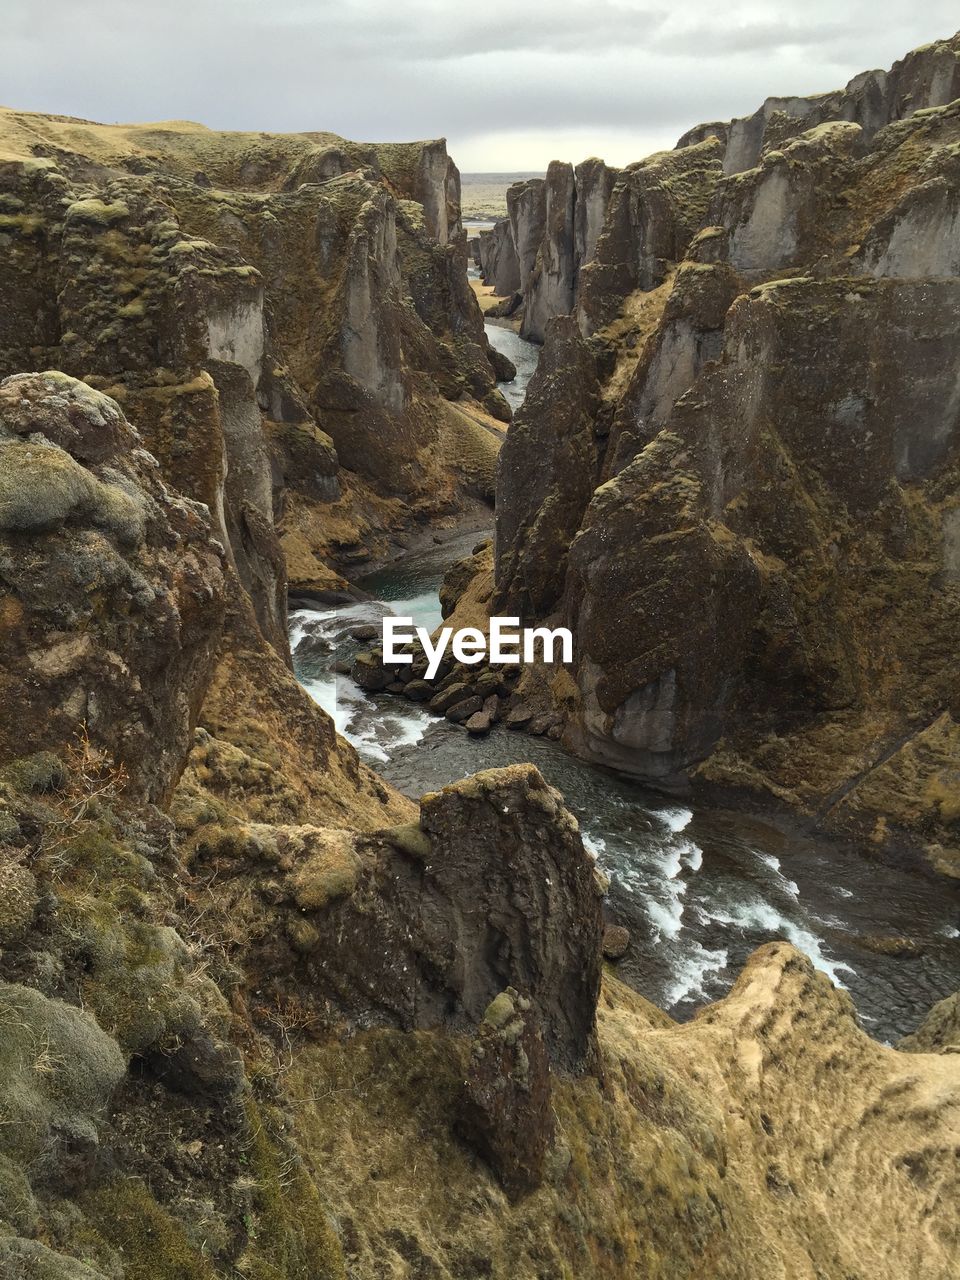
{"type": "Point", "coordinates": [330, 871]}
{"type": "Point", "coordinates": [97, 212]}
{"type": "Point", "coordinates": [152, 1244]}
{"type": "Point", "coordinates": [20, 224]}
{"type": "Point", "coordinates": [500, 1010]}
{"type": "Point", "coordinates": [58, 1070]}
{"type": "Point", "coordinates": [40, 772]}
{"type": "Point", "coordinates": [291, 1235]}
{"type": "Point", "coordinates": [410, 839]}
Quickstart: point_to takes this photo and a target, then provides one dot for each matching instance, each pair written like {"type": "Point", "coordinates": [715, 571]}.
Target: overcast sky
{"type": "Point", "coordinates": [510, 83]}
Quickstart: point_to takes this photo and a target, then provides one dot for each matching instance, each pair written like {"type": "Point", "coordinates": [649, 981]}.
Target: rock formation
{"type": "Point", "coordinates": [112, 587]}
{"type": "Point", "coordinates": [533, 257]}
{"type": "Point", "coordinates": [262, 1016]}
{"type": "Point", "coordinates": [286, 318]}
{"type": "Point", "coordinates": [155, 962]}
{"type": "Point", "coordinates": [736, 473]}
{"type": "Point", "coordinates": [927, 77]}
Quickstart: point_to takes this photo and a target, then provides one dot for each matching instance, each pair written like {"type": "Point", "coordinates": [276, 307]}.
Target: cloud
{"type": "Point", "coordinates": [508, 85]}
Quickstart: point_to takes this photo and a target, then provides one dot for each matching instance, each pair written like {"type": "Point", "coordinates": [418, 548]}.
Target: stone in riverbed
{"type": "Point", "coordinates": [417, 690]}
{"type": "Point", "coordinates": [478, 724]}
{"type": "Point", "coordinates": [452, 677]}
{"type": "Point", "coordinates": [369, 672]}
{"type": "Point", "coordinates": [884, 944]}
{"type": "Point", "coordinates": [519, 716]}
{"type": "Point", "coordinates": [462, 711]}
{"type": "Point", "coordinates": [368, 631]}
{"type": "Point", "coordinates": [488, 682]}
{"type": "Point", "coordinates": [503, 366]}
{"type": "Point", "coordinates": [449, 697]}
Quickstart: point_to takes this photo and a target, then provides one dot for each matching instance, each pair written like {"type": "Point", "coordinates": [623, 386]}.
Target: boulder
{"type": "Point", "coordinates": [616, 940]}
{"type": "Point", "coordinates": [369, 672]}
{"type": "Point", "coordinates": [418, 690]}
{"type": "Point", "coordinates": [450, 696]}
{"type": "Point", "coordinates": [462, 711]}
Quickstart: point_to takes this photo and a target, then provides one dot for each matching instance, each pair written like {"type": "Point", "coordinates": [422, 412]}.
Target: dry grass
{"type": "Point", "coordinates": [93, 780]}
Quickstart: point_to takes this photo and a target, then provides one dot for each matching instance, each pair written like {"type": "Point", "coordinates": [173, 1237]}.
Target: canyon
{"type": "Point", "coordinates": [261, 1012]}
{"type": "Point", "coordinates": [726, 479]}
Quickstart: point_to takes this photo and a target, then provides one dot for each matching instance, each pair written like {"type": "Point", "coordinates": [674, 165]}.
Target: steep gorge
{"type": "Point", "coordinates": [262, 1015]}
{"type": "Point", "coordinates": [736, 474]}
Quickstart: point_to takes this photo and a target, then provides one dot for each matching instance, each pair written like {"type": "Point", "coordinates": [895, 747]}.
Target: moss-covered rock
{"type": "Point", "coordinates": [59, 1070]}
{"type": "Point", "coordinates": [113, 587]}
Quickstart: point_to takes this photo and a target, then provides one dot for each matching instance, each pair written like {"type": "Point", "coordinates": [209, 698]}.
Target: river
{"type": "Point", "coordinates": [698, 887]}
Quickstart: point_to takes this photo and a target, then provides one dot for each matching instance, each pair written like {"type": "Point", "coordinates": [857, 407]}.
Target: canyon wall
{"type": "Point", "coordinates": [745, 501]}
{"type": "Point", "coordinates": [290, 1025]}
{"type": "Point", "coordinates": [534, 256]}
{"type": "Point", "coordinates": [563, 215]}
{"type": "Point", "coordinates": [927, 77]}
{"type": "Point", "coordinates": [260, 1014]}
{"type": "Point", "coordinates": [286, 317]}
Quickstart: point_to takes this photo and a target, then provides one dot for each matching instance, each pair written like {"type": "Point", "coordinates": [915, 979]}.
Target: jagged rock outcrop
{"type": "Point", "coordinates": [285, 317]}
{"type": "Point", "coordinates": [939, 1032]}
{"type": "Point", "coordinates": [112, 586]}
{"type": "Point", "coordinates": [927, 77]}
{"type": "Point", "coordinates": [499, 264]}
{"type": "Point", "coordinates": [761, 580]}
{"type": "Point", "coordinates": [507, 1110]}
{"type": "Point", "coordinates": [537, 518]}
{"type": "Point", "coordinates": [655, 209]}
{"type": "Point", "coordinates": [549, 289]}
{"type": "Point", "coordinates": [430, 920]}
{"type": "Point", "coordinates": [533, 258]}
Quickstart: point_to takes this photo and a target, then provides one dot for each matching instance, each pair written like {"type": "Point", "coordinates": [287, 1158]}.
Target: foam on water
{"type": "Point", "coordinates": [788, 886]}
{"type": "Point", "coordinates": [766, 919]}
{"type": "Point", "coordinates": [666, 917]}
{"type": "Point", "coordinates": [693, 856]}
{"type": "Point", "coordinates": [595, 845]}
{"type": "Point", "coordinates": [691, 972]}
{"type": "Point", "coordinates": [675, 819]}
{"type": "Point", "coordinates": [374, 728]}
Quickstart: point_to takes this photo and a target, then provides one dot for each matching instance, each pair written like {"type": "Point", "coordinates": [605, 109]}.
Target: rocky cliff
{"type": "Point", "coordinates": [533, 257]}
{"type": "Point", "coordinates": [286, 318]}
{"type": "Point", "coordinates": [744, 501]}
{"type": "Point", "coordinates": [260, 1015]}
{"type": "Point", "coordinates": [288, 1025]}
{"type": "Point", "coordinates": [927, 77]}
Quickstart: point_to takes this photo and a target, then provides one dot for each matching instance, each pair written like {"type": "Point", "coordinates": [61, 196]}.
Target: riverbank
{"type": "Point", "coordinates": [698, 886]}
{"type": "Point", "coordinates": [698, 883]}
